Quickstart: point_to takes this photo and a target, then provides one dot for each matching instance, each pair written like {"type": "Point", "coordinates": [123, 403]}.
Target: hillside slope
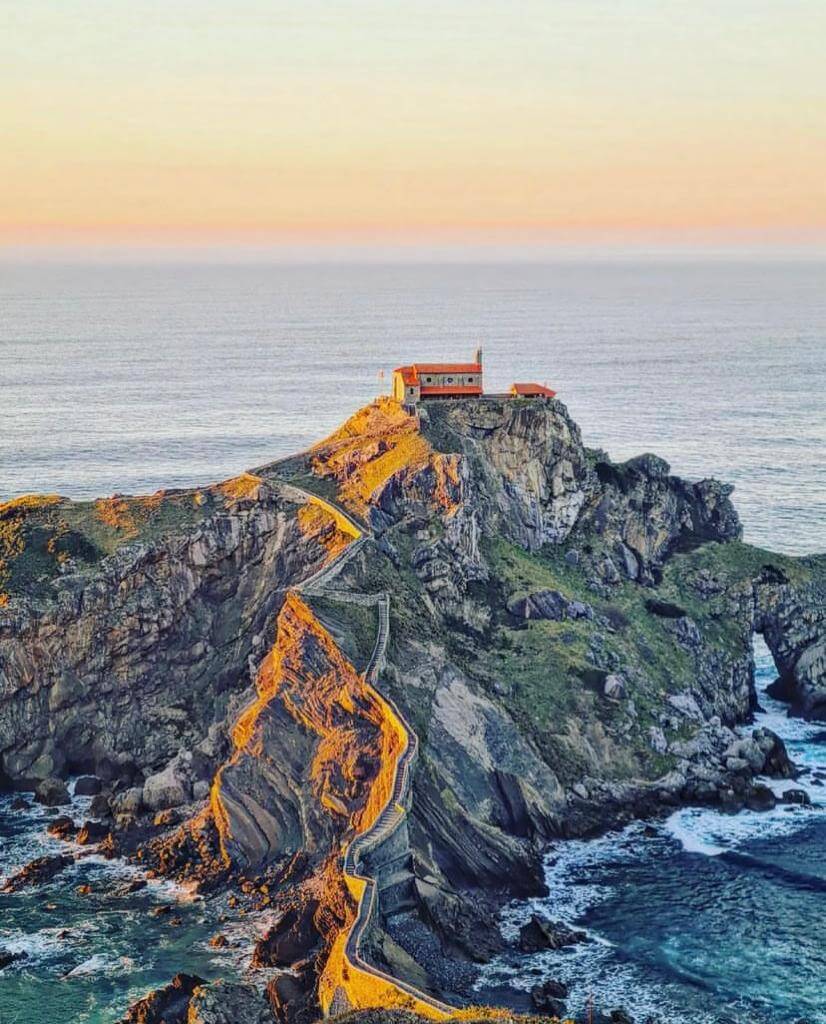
{"type": "Point", "coordinates": [570, 641]}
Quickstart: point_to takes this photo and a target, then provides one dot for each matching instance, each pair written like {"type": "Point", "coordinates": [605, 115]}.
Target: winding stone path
{"type": "Point", "coordinates": [394, 811]}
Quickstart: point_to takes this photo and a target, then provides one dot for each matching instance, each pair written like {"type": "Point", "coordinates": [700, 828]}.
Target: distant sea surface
{"type": "Point", "coordinates": [133, 378]}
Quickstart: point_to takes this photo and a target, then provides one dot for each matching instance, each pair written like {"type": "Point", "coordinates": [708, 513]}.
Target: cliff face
{"type": "Point", "coordinates": [570, 639]}
{"type": "Point", "coordinates": [114, 662]}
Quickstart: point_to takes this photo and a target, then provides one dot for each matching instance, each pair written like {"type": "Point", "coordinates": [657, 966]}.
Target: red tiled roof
{"type": "Point", "coordinates": [447, 367]}
{"type": "Point", "coordinates": [410, 374]}
{"type": "Point", "coordinates": [451, 389]}
{"type": "Point", "coordinates": [532, 390]}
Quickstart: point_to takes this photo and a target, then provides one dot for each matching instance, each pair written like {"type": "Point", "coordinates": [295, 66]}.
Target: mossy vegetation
{"type": "Point", "coordinates": [42, 536]}
{"type": "Point", "coordinates": [353, 626]}
{"type": "Point", "coordinates": [551, 674]}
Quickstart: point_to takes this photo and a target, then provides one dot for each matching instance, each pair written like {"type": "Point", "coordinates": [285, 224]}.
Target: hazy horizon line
{"type": "Point", "coordinates": [322, 252]}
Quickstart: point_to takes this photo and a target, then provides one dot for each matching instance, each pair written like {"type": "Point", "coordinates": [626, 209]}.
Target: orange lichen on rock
{"type": "Point", "coordinates": [29, 502]}
{"type": "Point", "coordinates": [126, 515]}
{"type": "Point", "coordinates": [326, 525]}
{"type": "Point", "coordinates": [378, 441]}
{"type": "Point", "coordinates": [240, 487]}
{"type": "Point", "coordinates": [318, 687]}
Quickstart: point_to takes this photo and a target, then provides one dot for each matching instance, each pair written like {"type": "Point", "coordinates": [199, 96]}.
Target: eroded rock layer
{"type": "Point", "coordinates": [570, 639]}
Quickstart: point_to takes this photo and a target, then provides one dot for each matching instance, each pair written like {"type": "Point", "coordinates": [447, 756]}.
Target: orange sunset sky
{"type": "Point", "coordinates": [576, 119]}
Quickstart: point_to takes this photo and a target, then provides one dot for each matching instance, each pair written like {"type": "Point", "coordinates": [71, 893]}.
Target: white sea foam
{"type": "Point", "coordinates": [102, 963]}
{"type": "Point", "coordinates": [594, 967]}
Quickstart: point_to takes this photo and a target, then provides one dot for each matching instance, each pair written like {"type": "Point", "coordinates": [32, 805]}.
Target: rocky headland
{"type": "Point", "coordinates": [355, 693]}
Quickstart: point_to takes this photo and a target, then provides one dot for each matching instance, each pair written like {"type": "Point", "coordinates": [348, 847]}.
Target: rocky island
{"type": "Point", "coordinates": [354, 693]}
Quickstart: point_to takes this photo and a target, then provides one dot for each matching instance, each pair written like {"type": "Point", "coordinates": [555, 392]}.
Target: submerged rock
{"type": "Point", "coordinates": [37, 872]}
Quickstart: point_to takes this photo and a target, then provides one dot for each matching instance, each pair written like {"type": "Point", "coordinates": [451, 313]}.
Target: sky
{"type": "Point", "coordinates": [260, 121]}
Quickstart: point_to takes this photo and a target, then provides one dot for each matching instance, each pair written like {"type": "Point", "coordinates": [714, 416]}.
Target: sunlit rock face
{"type": "Point", "coordinates": [570, 639]}
{"type": "Point", "coordinates": [313, 752]}
{"type": "Point", "coordinates": [118, 663]}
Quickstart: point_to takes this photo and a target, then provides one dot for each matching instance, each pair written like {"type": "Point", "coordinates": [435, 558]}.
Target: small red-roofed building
{"type": "Point", "coordinates": [531, 391]}
{"type": "Point", "coordinates": [419, 381]}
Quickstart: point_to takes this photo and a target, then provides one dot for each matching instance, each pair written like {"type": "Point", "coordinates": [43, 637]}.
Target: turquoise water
{"type": "Point", "coordinates": [716, 919]}
{"type": "Point", "coordinates": [87, 956]}
{"type": "Point", "coordinates": [133, 378]}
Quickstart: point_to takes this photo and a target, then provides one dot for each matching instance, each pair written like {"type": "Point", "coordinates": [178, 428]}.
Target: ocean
{"type": "Point", "coordinates": [129, 378]}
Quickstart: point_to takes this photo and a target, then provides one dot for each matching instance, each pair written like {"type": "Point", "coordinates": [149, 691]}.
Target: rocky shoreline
{"type": "Point", "coordinates": [571, 640]}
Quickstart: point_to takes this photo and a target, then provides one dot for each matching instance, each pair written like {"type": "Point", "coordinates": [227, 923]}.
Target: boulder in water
{"type": "Point", "coordinates": [168, 1004]}
{"type": "Point", "coordinates": [63, 827]}
{"type": "Point", "coordinates": [760, 798]}
{"type": "Point", "coordinates": [88, 785]}
{"type": "Point", "coordinates": [100, 807]}
{"type": "Point", "coordinates": [52, 793]}
{"type": "Point", "coordinates": [37, 872]}
{"type": "Point", "coordinates": [92, 832]}
{"type": "Point", "coordinates": [796, 796]}
{"type": "Point", "coordinates": [540, 933]}
{"type": "Point", "coordinates": [548, 997]}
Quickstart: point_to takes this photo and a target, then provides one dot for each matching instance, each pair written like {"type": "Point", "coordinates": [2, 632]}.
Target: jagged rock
{"type": "Point", "coordinates": [166, 1005]}
{"type": "Point", "coordinates": [540, 604]}
{"type": "Point", "coordinates": [549, 996]}
{"type": "Point", "coordinates": [63, 827]}
{"type": "Point", "coordinates": [92, 832]}
{"type": "Point", "coordinates": [226, 1002]}
{"type": "Point", "coordinates": [540, 933]}
{"type": "Point", "coordinates": [291, 997]}
{"type": "Point", "coordinates": [88, 785]}
{"type": "Point", "coordinates": [52, 793]}
{"type": "Point", "coordinates": [776, 761]}
{"type": "Point", "coordinates": [168, 788]}
{"type": "Point", "coordinates": [760, 798]}
{"type": "Point", "coordinates": [165, 818]}
{"type": "Point", "coordinates": [99, 807]}
{"type": "Point", "coordinates": [20, 804]}
{"type": "Point", "coordinates": [292, 939]}
{"type": "Point", "coordinates": [462, 923]}
{"type": "Point", "coordinates": [507, 732]}
{"type": "Point", "coordinates": [615, 688]}
{"type": "Point", "coordinates": [38, 871]}
{"type": "Point", "coordinates": [796, 796]}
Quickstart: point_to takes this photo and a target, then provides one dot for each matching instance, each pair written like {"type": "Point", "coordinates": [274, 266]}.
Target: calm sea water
{"type": "Point", "coordinates": [133, 378]}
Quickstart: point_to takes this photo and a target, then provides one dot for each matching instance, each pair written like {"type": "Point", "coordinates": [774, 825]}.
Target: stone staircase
{"type": "Point", "coordinates": [394, 812]}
